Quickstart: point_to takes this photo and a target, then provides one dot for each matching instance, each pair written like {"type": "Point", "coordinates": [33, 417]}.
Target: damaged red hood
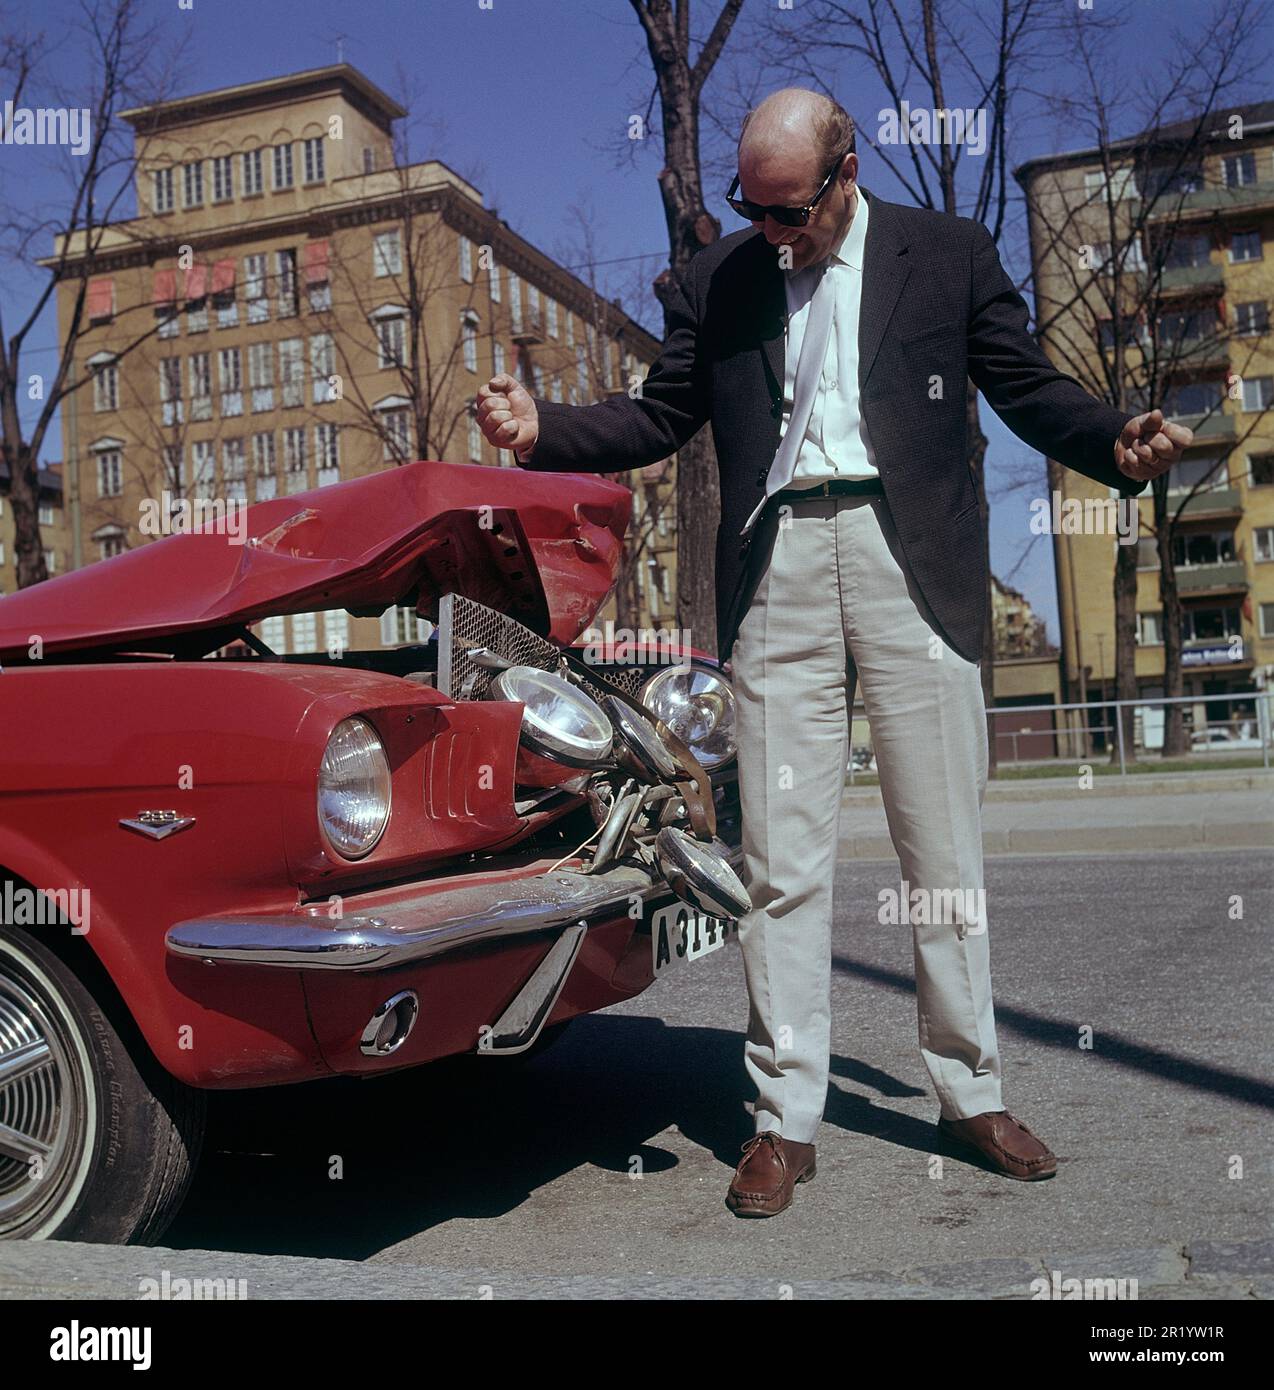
{"type": "Point", "coordinates": [543, 548]}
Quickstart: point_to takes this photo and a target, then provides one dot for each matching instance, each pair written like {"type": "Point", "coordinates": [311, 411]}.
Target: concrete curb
{"type": "Point", "coordinates": [1138, 784]}
{"type": "Point", "coordinates": [1202, 1269]}
{"type": "Point", "coordinates": [1093, 839]}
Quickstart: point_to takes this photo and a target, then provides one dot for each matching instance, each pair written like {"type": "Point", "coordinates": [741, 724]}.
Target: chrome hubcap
{"type": "Point", "coordinates": [39, 1122]}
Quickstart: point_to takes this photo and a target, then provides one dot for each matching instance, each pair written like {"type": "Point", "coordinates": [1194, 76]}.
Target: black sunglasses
{"type": "Point", "coordinates": [788, 217]}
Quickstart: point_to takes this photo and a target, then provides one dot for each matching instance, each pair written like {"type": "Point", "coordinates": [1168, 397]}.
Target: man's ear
{"type": "Point", "coordinates": [850, 168]}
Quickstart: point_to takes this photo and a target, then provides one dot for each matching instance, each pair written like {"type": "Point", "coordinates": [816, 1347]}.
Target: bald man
{"type": "Point", "coordinates": [828, 347]}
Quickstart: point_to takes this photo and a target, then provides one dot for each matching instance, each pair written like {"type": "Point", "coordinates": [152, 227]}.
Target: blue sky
{"type": "Point", "coordinates": [531, 99]}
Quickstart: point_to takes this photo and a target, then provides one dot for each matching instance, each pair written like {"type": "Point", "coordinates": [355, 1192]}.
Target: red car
{"type": "Point", "coordinates": [225, 868]}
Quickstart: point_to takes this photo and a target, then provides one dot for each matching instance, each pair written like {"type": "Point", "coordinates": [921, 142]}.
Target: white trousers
{"type": "Point", "coordinates": [835, 600]}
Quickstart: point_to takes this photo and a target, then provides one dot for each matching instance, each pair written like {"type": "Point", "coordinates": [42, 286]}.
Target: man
{"type": "Point", "coordinates": [829, 348]}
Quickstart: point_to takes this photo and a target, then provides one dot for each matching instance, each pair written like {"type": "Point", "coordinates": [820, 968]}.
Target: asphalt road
{"type": "Point", "coordinates": [493, 1167]}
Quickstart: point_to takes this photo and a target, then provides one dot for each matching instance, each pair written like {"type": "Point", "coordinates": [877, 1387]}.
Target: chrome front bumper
{"type": "Point", "coordinates": [425, 925]}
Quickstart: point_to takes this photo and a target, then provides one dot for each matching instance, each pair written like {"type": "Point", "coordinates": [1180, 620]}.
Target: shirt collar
{"type": "Point", "coordinates": [849, 250]}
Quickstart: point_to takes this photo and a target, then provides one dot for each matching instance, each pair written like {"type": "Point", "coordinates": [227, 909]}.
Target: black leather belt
{"type": "Point", "coordinates": [833, 487]}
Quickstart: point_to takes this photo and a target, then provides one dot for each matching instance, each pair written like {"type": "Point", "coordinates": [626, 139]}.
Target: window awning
{"type": "Point", "coordinates": [165, 291]}
{"type": "Point", "coordinates": [223, 276]}
{"type": "Point", "coordinates": [314, 259]}
{"type": "Point", "coordinates": [100, 297]}
{"type": "Point", "coordinates": [197, 282]}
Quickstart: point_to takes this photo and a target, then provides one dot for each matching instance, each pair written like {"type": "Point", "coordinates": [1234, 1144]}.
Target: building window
{"type": "Point", "coordinates": [581, 367]}
{"type": "Point", "coordinates": [550, 309]}
{"type": "Point", "coordinates": [162, 184]}
{"type": "Point", "coordinates": [200, 386]}
{"type": "Point", "coordinates": [192, 184]}
{"type": "Point", "coordinates": [533, 307]}
{"type": "Point", "coordinates": [387, 253]}
{"type": "Point", "coordinates": [110, 473]}
{"type": "Point", "coordinates": [230, 375]}
{"type": "Point", "coordinates": [336, 632]}
{"type": "Point", "coordinates": [223, 299]}
{"type": "Point", "coordinates": [1240, 170]}
{"type": "Point", "coordinates": [261, 376]}
{"type": "Point", "coordinates": [497, 354]}
{"type": "Point", "coordinates": [1267, 620]}
{"type": "Point", "coordinates": [1209, 624]}
{"type": "Point", "coordinates": [1206, 470]}
{"type": "Point", "coordinates": [494, 274]}
{"type": "Point", "coordinates": [253, 176]}
{"type": "Point", "coordinates": [515, 302]}
{"type": "Point", "coordinates": [174, 467]}
{"type": "Point", "coordinates": [323, 367]}
{"type": "Point", "coordinates": [304, 632]}
{"type": "Point", "coordinates": [105, 386]}
{"type": "Point", "coordinates": [327, 454]}
{"type": "Point", "coordinates": [294, 464]}
{"type": "Point", "coordinates": [1260, 470]}
{"type": "Point", "coordinates": [170, 390]}
{"type": "Point", "coordinates": [466, 260]}
{"type": "Point", "coordinates": [203, 468]}
{"type": "Point", "coordinates": [369, 160]}
{"type": "Point", "coordinates": [475, 440]}
{"type": "Point", "coordinates": [169, 321]}
{"type": "Point", "coordinates": [391, 341]}
{"type": "Point", "coordinates": [1252, 318]}
{"type": "Point", "coordinates": [1149, 629]}
{"type": "Point", "coordinates": [292, 372]}
{"type": "Point", "coordinates": [396, 425]}
{"type": "Point", "coordinates": [263, 465]}
{"type": "Point", "coordinates": [234, 470]}
{"type": "Point", "coordinates": [222, 178]}
{"type": "Point", "coordinates": [1245, 246]}
{"type": "Point", "coordinates": [1258, 392]}
{"type": "Point", "coordinates": [570, 329]}
{"type": "Point", "coordinates": [555, 390]}
{"type": "Point", "coordinates": [469, 339]}
{"type": "Point", "coordinates": [1263, 543]}
{"type": "Point", "coordinates": [46, 514]}
{"type": "Point", "coordinates": [285, 279]}
{"type": "Point", "coordinates": [111, 544]}
{"type": "Point", "coordinates": [254, 276]}
{"type": "Point", "coordinates": [314, 159]}
{"type": "Point", "coordinates": [1187, 250]}
{"type": "Point", "coordinates": [399, 626]}
{"type": "Point", "coordinates": [282, 165]}
{"type": "Point", "coordinates": [274, 635]}
{"type": "Point", "coordinates": [1192, 398]}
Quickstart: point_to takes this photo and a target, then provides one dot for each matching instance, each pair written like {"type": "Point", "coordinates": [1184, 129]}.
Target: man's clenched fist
{"type": "Point", "coordinates": [507, 414]}
{"type": "Point", "coordinates": [1149, 445]}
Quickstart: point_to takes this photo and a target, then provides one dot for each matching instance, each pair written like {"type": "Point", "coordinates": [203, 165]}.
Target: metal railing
{"type": "Point", "coordinates": [1073, 730]}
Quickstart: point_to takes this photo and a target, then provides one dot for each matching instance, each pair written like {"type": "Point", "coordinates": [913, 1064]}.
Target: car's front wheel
{"type": "Point", "coordinates": [97, 1141]}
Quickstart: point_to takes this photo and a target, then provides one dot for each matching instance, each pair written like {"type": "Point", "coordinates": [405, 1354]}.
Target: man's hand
{"type": "Point", "coordinates": [1147, 446]}
{"type": "Point", "coordinates": [507, 414]}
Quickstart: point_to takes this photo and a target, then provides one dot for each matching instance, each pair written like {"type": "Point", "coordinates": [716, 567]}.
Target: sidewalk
{"type": "Point", "coordinates": [1054, 815]}
{"type": "Point", "coordinates": [57, 1270]}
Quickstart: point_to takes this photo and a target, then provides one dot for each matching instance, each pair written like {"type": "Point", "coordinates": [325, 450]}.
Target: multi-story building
{"type": "Point", "coordinates": [292, 306]}
{"type": "Point", "coordinates": [51, 520]}
{"type": "Point", "coordinates": [1192, 215]}
{"type": "Point", "coordinates": [1019, 631]}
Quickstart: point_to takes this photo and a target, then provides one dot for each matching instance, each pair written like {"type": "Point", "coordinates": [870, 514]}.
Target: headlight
{"type": "Point", "coordinates": [353, 788]}
{"type": "Point", "coordinates": [697, 704]}
{"type": "Point", "coordinates": [559, 721]}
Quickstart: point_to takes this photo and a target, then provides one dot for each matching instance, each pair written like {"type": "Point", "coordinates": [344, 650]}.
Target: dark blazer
{"type": "Point", "coordinates": [937, 307]}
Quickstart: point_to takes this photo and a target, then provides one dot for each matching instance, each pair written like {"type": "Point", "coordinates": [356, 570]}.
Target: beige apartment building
{"type": "Point", "coordinates": [1193, 216]}
{"type": "Point", "coordinates": [51, 519]}
{"type": "Point", "coordinates": [291, 307]}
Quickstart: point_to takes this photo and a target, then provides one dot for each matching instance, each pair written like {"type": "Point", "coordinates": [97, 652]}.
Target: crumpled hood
{"type": "Point", "coordinates": [543, 548]}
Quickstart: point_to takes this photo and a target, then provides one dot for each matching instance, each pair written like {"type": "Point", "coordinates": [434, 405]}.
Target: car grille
{"type": "Point", "coordinates": [464, 623]}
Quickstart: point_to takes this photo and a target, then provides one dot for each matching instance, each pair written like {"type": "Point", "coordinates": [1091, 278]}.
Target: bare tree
{"type": "Point", "coordinates": [1115, 300]}
{"type": "Point", "coordinates": [122, 57]}
{"type": "Point", "coordinates": [679, 82]}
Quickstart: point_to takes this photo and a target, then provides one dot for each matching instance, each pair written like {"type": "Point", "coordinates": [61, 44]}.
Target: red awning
{"type": "Point", "coordinates": [197, 282]}
{"type": "Point", "coordinates": [223, 276]}
{"type": "Point", "coordinates": [314, 258]}
{"type": "Point", "coordinates": [165, 286]}
{"type": "Point", "coordinates": [101, 298]}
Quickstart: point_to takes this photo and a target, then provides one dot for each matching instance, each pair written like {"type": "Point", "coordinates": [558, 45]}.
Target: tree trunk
{"type": "Point", "coordinates": [1125, 593]}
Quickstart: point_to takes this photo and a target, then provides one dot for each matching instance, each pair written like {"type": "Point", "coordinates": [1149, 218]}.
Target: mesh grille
{"type": "Point", "coordinates": [464, 623]}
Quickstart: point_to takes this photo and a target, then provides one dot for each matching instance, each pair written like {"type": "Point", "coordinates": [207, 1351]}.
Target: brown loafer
{"type": "Point", "coordinates": [768, 1172]}
{"type": "Point", "coordinates": [1006, 1144]}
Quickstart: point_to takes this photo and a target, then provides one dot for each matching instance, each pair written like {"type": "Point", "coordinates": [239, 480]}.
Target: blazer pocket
{"type": "Point", "coordinates": [946, 327]}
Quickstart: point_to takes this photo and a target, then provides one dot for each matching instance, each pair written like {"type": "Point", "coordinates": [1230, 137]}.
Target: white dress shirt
{"type": "Point", "coordinates": [835, 443]}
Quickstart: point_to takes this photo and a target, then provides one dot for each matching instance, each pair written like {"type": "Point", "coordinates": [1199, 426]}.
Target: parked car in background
{"type": "Point", "coordinates": [1223, 740]}
{"type": "Point", "coordinates": [224, 868]}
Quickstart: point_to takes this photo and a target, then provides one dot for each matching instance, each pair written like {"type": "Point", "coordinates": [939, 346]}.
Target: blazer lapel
{"type": "Point", "coordinates": [886, 266]}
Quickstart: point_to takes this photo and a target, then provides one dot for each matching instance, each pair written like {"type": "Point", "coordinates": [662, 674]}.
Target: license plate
{"type": "Point", "coordinates": [678, 933]}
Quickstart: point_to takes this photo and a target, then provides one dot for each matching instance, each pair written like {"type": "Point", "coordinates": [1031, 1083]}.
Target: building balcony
{"type": "Point", "coordinates": [1210, 502]}
{"type": "Point", "coordinates": [530, 331]}
{"type": "Point", "coordinates": [1185, 279]}
{"type": "Point", "coordinates": [1216, 651]}
{"type": "Point", "coordinates": [1227, 577]}
{"type": "Point", "coordinates": [1252, 197]}
{"type": "Point", "coordinates": [1207, 428]}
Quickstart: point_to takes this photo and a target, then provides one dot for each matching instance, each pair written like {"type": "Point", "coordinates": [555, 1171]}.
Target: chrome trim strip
{"type": "Point", "coordinates": [423, 927]}
{"type": "Point", "coordinates": [521, 1023]}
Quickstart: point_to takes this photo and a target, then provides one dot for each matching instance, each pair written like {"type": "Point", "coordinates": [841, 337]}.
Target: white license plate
{"type": "Point", "coordinates": [679, 933]}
